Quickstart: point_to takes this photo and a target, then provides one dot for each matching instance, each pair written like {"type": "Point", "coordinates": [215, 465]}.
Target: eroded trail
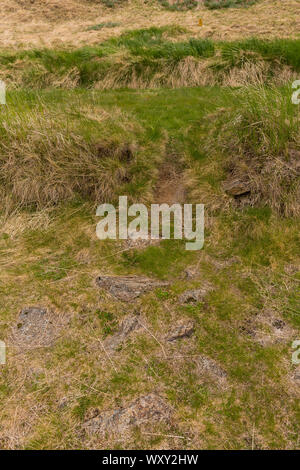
{"type": "Point", "coordinates": [170, 188]}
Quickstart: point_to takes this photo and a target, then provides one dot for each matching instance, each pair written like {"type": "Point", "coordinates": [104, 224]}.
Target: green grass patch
{"type": "Point", "coordinates": [179, 5]}
{"type": "Point", "coordinates": [169, 257]}
{"type": "Point", "coordinates": [144, 58]}
{"type": "Point", "coordinates": [218, 4]}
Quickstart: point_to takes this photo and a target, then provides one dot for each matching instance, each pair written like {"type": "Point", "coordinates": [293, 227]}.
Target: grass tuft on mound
{"type": "Point", "coordinates": [179, 5]}
{"type": "Point", "coordinates": [260, 138]}
{"type": "Point", "coordinates": [59, 152]}
{"type": "Point", "coordinates": [217, 4]}
{"type": "Point", "coordinates": [154, 57]}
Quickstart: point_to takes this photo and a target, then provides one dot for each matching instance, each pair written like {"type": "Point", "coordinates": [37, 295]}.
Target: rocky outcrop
{"type": "Point", "coordinates": [194, 296]}
{"type": "Point", "coordinates": [128, 326]}
{"type": "Point", "coordinates": [36, 327]}
{"type": "Point", "coordinates": [183, 329]}
{"type": "Point", "coordinates": [128, 288]}
{"type": "Point", "coordinates": [151, 408]}
{"type": "Point", "coordinates": [236, 187]}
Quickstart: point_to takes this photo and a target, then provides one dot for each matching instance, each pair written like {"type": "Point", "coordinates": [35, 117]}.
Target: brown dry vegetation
{"type": "Point", "coordinates": [261, 141]}
{"type": "Point", "coordinates": [47, 162]}
{"type": "Point", "coordinates": [45, 23]}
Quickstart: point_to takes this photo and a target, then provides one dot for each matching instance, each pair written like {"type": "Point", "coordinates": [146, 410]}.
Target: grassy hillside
{"type": "Point", "coordinates": [161, 115]}
{"type": "Point", "coordinates": [45, 23]}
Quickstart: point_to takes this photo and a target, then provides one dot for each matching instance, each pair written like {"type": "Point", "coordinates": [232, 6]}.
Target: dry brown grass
{"type": "Point", "coordinates": [191, 72]}
{"type": "Point", "coordinates": [44, 162]}
{"type": "Point", "coordinates": [60, 24]}
{"type": "Point", "coordinates": [261, 142]}
{"type": "Point", "coordinates": [127, 72]}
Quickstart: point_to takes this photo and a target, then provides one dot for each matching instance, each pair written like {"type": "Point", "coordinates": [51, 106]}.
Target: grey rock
{"type": "Point", "coordinates": [194, 296]}
{"type": "Point", "coordinates": [128, 288]}
{"type": "Point", "coordinates": [146, 409]}
{"type": "Point", "coordinates": [181, 330]}
{"type": "Point", "coordinates": [235, 187]}
{"type": "Point", "coordinates": [206, 365]}
{"type": "Point", "coordinates": [129, 324]}
{"type": "Point", "coordinates": [36, 327]}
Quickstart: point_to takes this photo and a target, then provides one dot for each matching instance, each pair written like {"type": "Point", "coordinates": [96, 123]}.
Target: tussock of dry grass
{"type": "Point", "coordinates": [46, 158]}
{"type": "Point", "coordinates": [190, 72]}
{"type": "Point", "coordinates": [261, 139]}
{"type": "Point", "coordinates": [169, 65]}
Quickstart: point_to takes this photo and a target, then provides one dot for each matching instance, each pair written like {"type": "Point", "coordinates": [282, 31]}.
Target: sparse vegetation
{"type": "Point", "coordinates": [179, 5]}
{"type": "Point", "coordinates": [153, 58]}
{"type": "Point", "coordinates": [216, 4]}
{"type": "Point", "coordinates": [113, 3]}
{"type": "Point", "coordinates": [86, 158]}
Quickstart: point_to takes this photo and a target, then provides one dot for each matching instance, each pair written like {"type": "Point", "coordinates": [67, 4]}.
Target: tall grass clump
{"type": "Point", "coordinates": [267, 122]}
{"type": "Point", "coordinates": [154, 57]}
{"type": "Point", "coordinates": [179, 5]}
{"type": "Point", "coordinates": [216, 4]}
{"type": "Point", "coordinates": [260, 135]}
{"type": "Point", "coordinates": [54, 154]}
{"type": "Point", "coordinates": [285, 51]}
{"type": "Point", "coordinates": [175, 51]}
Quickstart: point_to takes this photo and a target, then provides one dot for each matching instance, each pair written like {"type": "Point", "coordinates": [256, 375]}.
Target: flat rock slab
{"type": "Point", "coordinates": [181, 330]}
{"type": "Point", "coordinates": [225, 263]}
{"type": "Point", "coordinates": [128, 326]}
{"type": "Point", "coordinates": [36, 327]}
{"type": "Point", "coordinates": [296, 376]}
{"type": "Point", "coordinates": [147, 409]}
{"type": "Point", "coordinates": [267, 329]}
{"type": "Point", "coordinates": [194, 296]}
{"type": "Point", "coordinates": [236, 187]}
{"type": "Point", "coordinates": [206, 365]}
{"type": "Point", "coordinates": [128, 288]}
